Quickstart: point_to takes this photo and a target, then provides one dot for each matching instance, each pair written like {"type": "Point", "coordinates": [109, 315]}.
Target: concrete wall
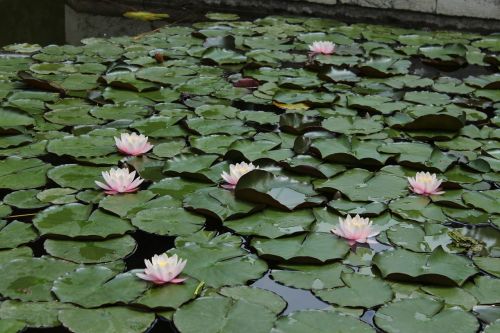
{"type": "Point", "coordinates": [489, 9]}
{"type": "Point", "coordinates": [474, 15]}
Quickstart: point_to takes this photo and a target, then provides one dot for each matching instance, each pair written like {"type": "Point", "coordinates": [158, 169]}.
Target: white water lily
{"type": "Point", "coordinates": [425, 183]}
{"type": "Point", "coordinates": [236, 171]}
{"type": "Point", "coordinates": [119, 181]}
{"type": "Point", "coordinates": [355, 229]}
{"type": "Point", "coordinates": [163, 269]}
{"type": "Point", "coordinates": [322, 47]}
{"type": "Point", "coordinates": [133, 144]}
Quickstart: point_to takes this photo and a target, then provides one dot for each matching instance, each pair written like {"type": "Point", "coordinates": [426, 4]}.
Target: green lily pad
{"type": "Point", "coordinates": [218, 203]}
{"type": "Point", "coordinates": [110, 320]}
{"type": "Point", "coordinates": [168, 221]}
{"type": "Point", "coordinates": [326, 321]}
{"type": "Point", "coordinates": [16, 253]}
{"type": "Point", "coordinates": [485, 289]}
{"type": "Point", "coordinates": [310, 276]}
{"type": "Point", "coordinates": [14, 118]}
{"type": "Point", "coordinates": [101, 287]}
{"type": "Point", "coordinates": [272, 224]}
{"type": "Point", "coordinates": [219, 314]}
{"type": "Point", "coordinates": [91, 251]}
{"type": "Point", "coordinates": [121, 205]}
{"type": "Point", "coordinates": [170, 296]}
{"type": "Point", "coordinates": [438, 267]}
{"type": "Point", "coordinates": [485, 200]}
{"type": "Point", "coordinates": [31, 278]}
{"type": "Point", "coordinates": [218, 260]}
{"type": "Point", "coordinates": [24, 199]}
{"type": "Point", "coordinates": [358, 291]}
{"type": "Point", "coordinates": [309, 248]}
{"type": "Point", "coordinates": [77, 220]}
{"type": "Point", "coordinates": [263, 187]}
{"type": "Point", "coordinates": [16, 233]}
{"type": "Point", "coordinates": [17, 173]}
{"type": "Point", "coordinates": [362, 185]}
{"type": "Point", "coordinates": [82, 146]}
{"type": "Point", "coordinates": [257, 296]}
{"type": "Point", "coordinates": [423, 315]}
{"type": "Point", "coordinates": [33, 314]}
{"type": "Point", "coordinates": [76, 176]}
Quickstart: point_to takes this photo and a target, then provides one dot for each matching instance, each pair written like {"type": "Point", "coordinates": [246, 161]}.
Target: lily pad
{"type": "Point", "coordinates": [110, 319]}
{"type": "Point", "coordinates": [31, 278]}
{"type": "Point", "coordinates": [263, 187]}
{"type": "Point", "coordinates": [309, 248]}
{"type": "Point", "coordinates": [91, 251]}
{"type": "Point", "coordinates": [77, 220]}
{"type": "Point", "coordinates": [358, 291]}
{"type": "Point", "coordinates": [310, 276]}
{"type": "Point", "coordinates": [272, 224]}
{"type": "Point", "coordinates": [326, 321]}
{"type": "Point", "coordinates": [168, 221]}
{"type": "Point", "coordinates": [170, 296]}
{"type": "Point", "coordinates": [219, 314]}
{"type": "Point", "coordinates": [423, 315]}
{"type": "Point", "coordinates": [218, 260]}
{"type": "Point", "coordinates": [439, 267]}
{"type": "Point", "coordinates": [17, 173]}
{"type": "Point", "coordinates": [101, 287]}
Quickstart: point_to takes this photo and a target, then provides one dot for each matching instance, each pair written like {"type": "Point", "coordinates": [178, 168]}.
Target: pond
{"type": "Point", "coordinates": [265, 148]}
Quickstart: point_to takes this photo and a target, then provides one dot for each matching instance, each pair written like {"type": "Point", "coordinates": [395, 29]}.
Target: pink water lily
{"type": "Point", "coordinates": [425, 183]}
{"type": "Point", "coordinates": [355, 229]}
{"type": "Point", "coordinates": [133, 144]}
{"type": "Point", "coordinates": [322, 47]}
{"type": "Point", "coordinates": [119, 181]}
{"type": "Point", "coordinates": [236, 171]}
{"type": "Point", "coordinates": [163, 269]}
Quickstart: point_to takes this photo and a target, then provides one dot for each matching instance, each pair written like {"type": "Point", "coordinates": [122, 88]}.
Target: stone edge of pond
{"type": "Point", "coordinates": [480, 16]}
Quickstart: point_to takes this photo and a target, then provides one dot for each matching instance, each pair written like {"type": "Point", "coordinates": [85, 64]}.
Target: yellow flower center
{"type": "Point", "coordinates": [162, 263]}
{"type": "Point", "coordinates": [358, 223]}
{"type": "Point", "coordinates": [426, 179]}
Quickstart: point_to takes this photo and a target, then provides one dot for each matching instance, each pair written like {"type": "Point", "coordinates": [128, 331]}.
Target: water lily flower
{"type": "Point", "coordinates": [236, 171]}
{"type": "Point", "coordinates": [119, 181]}
{"type": "Point", "coordinates": [355, 229]}
{"type": "Point", "coordinates": [163, 269]}
{"type": "Point", "coordinates": [322, 47]}
{"type": "Point", "coordinates": [425, 183]}
{"type": "Point", "coordinates": [133, 144]}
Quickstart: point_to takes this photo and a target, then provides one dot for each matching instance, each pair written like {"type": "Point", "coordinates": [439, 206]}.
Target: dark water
{"type": "Point", "coordinates": [32, 21]}
{"type": "Point", "coordinates": [55, 22]}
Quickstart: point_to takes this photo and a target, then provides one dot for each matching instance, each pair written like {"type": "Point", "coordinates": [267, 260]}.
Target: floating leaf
{"type": "Point", "coordinates": [309, 248]}
{"type": "Point", "coordinates": [322, 321]}
{"type": "Point", "coordinates": [218, 260]}
{"type": "Point", "coordinates": [110, 319]}
{"type": "Point", "coordinates": [91, 251]}
{"type": "Point", "coordinates": [230, 315]}
{"type": "Point", "coordinates": [145, 16]}
{"type": "Point", "coordinates": [101, 287]}
{"type": "Point", "coordinates": [439, 267]}
{"type": "Point", "coordinates": [423, 315]}
{"type": "Point", "coordinates": [30, 279]}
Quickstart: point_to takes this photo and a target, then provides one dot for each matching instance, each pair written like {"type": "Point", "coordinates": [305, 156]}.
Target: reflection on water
{"type": "Point", "coordinates": [31, 21]}
{"type": "Point", "coordinates": [53, 22]}
{"type": "Point", "coordinates": [82, 25]}
{"type": "Point", "coordinates": [297, 299]}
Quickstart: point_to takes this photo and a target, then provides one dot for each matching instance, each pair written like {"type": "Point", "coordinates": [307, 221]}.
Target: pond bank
{"type": "Point", "coordinates": [476, 15]}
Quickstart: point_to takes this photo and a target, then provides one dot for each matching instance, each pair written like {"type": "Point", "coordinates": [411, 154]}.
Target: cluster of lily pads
{"type": "Point", "coordinates": [364, 173]}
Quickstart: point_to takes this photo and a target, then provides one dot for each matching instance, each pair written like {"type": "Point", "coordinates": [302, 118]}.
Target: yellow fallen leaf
{"type": "Point", "coordinates": [145, 16]}
{"type": "Point", "coordinates": [296, 106]}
